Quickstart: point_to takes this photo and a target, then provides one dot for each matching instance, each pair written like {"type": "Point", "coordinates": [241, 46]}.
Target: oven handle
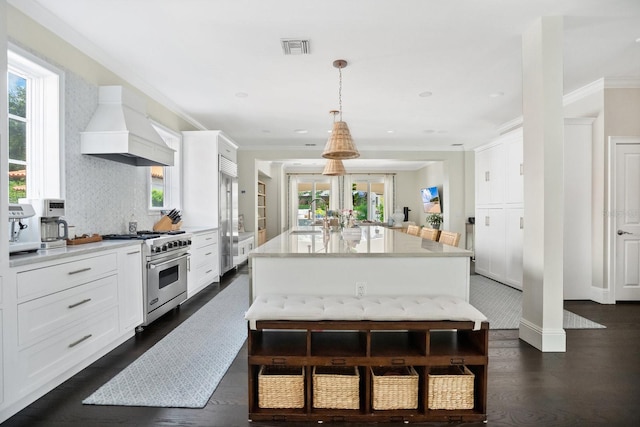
{"type": "Point", "coordinates": [152, 265]}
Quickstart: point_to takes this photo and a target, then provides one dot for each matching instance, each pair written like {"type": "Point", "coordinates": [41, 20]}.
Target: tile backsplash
{"type": "Point", "coordinates": [102, 196]}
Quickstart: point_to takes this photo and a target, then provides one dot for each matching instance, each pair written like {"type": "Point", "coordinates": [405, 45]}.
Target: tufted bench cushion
{"type": "Point", "coordinates": [372, 308]}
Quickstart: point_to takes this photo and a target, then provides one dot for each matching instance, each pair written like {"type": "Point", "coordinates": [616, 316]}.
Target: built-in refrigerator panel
{"type": "Point", "coordinates": [228, 215]}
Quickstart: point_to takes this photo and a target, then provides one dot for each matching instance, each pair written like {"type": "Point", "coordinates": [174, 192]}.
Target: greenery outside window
{"type": "Point", "coordinates": [34, 111]}
{"type": "Point", "coordinates": [164, 181]}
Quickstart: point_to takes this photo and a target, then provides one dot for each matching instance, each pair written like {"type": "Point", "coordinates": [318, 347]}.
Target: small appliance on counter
{"type": "Point", "coordinates": [24, 230]}
{"type": "Point", "coordinates": [54, 231]}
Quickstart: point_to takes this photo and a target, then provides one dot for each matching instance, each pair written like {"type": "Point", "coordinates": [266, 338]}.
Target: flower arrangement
{"type": "Point", "coordinates": [435, 219]}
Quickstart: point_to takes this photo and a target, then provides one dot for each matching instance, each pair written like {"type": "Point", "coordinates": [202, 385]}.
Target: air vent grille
{"type": "Point", "coordinates": [295, 47]}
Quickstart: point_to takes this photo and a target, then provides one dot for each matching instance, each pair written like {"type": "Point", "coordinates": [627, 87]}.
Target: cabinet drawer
{"type": "Point", "coordinates": [41, 317]}
{"type": "Point", "coordinates": [47, 280]}
{"type": "Point", "coordinates": [204, 239]}
{"type": "Point", "coordinates": [207, 255]}
{"type": "Point", "coordinates": [51, 357]}
{"type": "Point", "coordinates": [206, 274]}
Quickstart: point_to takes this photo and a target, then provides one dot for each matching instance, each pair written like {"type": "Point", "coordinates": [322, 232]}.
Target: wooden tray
{"type": "Point", "coordinates": [81, 240]}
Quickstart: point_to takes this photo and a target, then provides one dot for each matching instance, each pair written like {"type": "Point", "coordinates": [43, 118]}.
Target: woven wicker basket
{"type": "Point", "coordinates": [451, 387]}
{"type": "Point", "coordinates": [395, 387]}
{"type": "Point", "coordinates": [281, 387]}
{"type": "Point", "coordinates": [336, 387]}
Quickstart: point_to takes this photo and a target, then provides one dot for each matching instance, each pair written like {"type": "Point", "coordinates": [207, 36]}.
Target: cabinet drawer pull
{"type": "Point", "coordinates": [208, 253]}
{"type": "Point", "coordinates": [457, 360]}
{"type": "Point", "coordinates": [82, 270]}
{"type": "Point", "coordinates": [397, 361]}
{"type": "Point", "coordinates": [79, 303]}
{"type": "Point", "coordinates": [133, 253]}
{"type": "Point", "coordinates": [84, 338]}
{"type": "Point", "coordinates": [208, 238]}
{"type": "Point", "coordinates": [521, 223]}
{"type": "Point", "coordinates": [208, 271]}
{"type": "Point", "coordinates": [521, 169]}
{"type": "Point", "coordinates": [278, 361]}
{"type": "Point", "coordinates": [338, 362]}
{"type": "Point", "coordinates": [487, 221]}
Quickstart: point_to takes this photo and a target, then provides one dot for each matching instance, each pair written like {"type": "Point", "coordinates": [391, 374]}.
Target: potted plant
{"type": "Point", "coordinates": [434, 219]}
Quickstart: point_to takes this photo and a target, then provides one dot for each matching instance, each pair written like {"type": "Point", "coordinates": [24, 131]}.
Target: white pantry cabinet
{"type": "Point", "coordinates": [499, 208]}
{"type": "Point", "coordinates": [243, 246]}
{"type": "Point", "coordinates": [70, 309]}
{"type": "Point", "coordinates": [204, 264]}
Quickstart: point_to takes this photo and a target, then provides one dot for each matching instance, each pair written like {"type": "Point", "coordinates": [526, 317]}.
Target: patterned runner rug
{"type": "Point", "coordinates": [502, 305]}
{"type": "Point", "coordinates": [184, 368]}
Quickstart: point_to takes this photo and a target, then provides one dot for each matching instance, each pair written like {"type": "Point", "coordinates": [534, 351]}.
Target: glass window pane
{"type": "Point", "coordinates": [360, 197]}
{"type": "Point", "coordinates": [17, 95]}
{"type": "Point", "coordinates": [157, 186]}
{"type": "Point", "coordinates": [17, 140]}
{"type": "Point", "coordinates": [17, 182]}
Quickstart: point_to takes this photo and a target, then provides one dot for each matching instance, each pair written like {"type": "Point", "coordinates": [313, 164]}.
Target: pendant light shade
{"type": "Point", "coordinates": [334, 168]}
{"type": "Point", "coordinates": [340, 145]}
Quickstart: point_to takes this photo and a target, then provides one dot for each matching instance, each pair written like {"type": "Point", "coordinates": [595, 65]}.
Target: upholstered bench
{"type": "Point", "coordinates": [371, 308]}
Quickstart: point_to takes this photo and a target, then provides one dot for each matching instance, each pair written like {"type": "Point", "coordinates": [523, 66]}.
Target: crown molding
{"type": "Point", "coordinates": [61, 29]}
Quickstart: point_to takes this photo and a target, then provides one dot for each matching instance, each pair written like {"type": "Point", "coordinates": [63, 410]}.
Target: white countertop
{"type": "Point", "coordinates": [20, 259]}
{"type": "Point", "coordinates": [371, 241]}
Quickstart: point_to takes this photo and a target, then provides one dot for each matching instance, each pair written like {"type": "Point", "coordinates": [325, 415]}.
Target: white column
{"type": "Point", "coordinates": [542, 305]}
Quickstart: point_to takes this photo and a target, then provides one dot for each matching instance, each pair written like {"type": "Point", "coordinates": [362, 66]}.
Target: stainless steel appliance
{"type": "Point", "coordinates": [228, 215]}
{"type": "Point", "coordinates": [54, 231]}
{"type": "Point", "coordinates": [165, 258]}
{"type": "Point", "coordinates": [24, 231]}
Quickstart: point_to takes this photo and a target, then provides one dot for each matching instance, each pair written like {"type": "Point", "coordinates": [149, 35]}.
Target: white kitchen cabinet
{"type": "Point", "coordinates": [204, 264]}
{"type": "Point", "coordinates": [243, 246]}
{"type": "Point", "coordinates": [200, 152]}
{"type": "Point", "coordinates": [130, 288]}
{"type": "Point", "coordinates": [489, 244]}
{"type": "Point", "coordinates": [514, 233]}
{"type": "Point", "coordinates": [499, 209]}
{"type": "Point", "coordinates": [69, 310]}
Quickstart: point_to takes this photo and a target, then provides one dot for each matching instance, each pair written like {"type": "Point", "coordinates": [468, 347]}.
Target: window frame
{"type": "Point", "coordinates": [172, 175]}
{"type": "Point", "coordinates": [45, 116]}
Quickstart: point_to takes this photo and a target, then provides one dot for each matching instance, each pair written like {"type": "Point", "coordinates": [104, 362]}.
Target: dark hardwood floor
{"type": "Point", "coordinates": [595, 383]}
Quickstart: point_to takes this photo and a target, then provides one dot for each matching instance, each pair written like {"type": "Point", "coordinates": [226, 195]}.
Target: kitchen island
{"type": "Point", "coordinates": [372, 260]}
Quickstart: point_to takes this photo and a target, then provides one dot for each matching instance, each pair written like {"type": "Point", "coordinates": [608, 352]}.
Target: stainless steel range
{"type": "Point", "coordinates": [165, 260]}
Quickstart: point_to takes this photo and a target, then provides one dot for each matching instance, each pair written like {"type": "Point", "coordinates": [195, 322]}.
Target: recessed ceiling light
{"type": "Point", "coordinates": [496, 94]}
{"type": "Point", "coordinates": [638, 40]}
{"type": "Point", "coordinates": [391, 131]}
{"type": "Point", "coordinates": [301, 131]}
{"type": "Point", "coordinates": [425, 94]}
{"type": "Point", "coordinates": [266, 131]}
{"type": "Point", "coordinates": [241, 94]}
{"type": "Point", "coordinates": [428, 131]}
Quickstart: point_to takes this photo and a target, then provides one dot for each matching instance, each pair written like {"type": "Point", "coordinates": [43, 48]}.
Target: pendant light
{"type": "Point", "coordinates": [334, 167]}
{"type": "Point", "coordinates": [340, 145]}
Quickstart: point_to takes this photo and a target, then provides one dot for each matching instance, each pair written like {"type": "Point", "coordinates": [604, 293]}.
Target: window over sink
{"type": "Point", "coordinates": [35, 112]}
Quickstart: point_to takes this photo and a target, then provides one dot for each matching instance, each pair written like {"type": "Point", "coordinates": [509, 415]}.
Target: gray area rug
{"type": "Point", "coordinates": [502, 305]}
{"type": "Point", "coordinates": [184, 368]}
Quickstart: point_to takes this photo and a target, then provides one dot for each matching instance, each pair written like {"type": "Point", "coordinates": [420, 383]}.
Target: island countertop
{"type": "Point", "coordinates": [366, 240]}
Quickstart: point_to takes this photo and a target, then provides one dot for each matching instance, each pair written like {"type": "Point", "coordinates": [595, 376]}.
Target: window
{"type": "Point", "coordinates": [34, 107]}
{"type": "Point", "coordinates": [164, 181]}
{"type": "Point", "coordinates": [368, 198]}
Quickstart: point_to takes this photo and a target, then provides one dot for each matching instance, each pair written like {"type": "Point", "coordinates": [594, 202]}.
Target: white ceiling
{"type": "Point", "coordinates": [220, 62]}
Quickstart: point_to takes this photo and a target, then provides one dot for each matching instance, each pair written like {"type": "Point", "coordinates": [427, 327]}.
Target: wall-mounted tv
{"type": "Point", "coordinates": [431, 200]}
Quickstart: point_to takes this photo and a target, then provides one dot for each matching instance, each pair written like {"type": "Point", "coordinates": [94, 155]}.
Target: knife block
{"type": "Point", "coordinates": [165, 224]}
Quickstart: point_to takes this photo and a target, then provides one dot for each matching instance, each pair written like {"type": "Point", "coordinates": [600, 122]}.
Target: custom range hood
{"type": "Point", "coordinates": [120, 131]}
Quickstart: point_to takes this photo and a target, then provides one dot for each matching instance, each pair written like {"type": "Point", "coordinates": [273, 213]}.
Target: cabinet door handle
{"type": "Point", "coordinates": [521, 223]}
{"type": "Point", "coordinates": [521, 168]}
{"type": "Point", "coordinates": [208, 271]}
{"type": "Point", "coordinates": [487, 221]}
{"type": "Point", "coordinates": [84, 338]}
{"type": "Point", "coordinates": [208, 253]}
{"type": "Point", "coordinates": [79, 303]}
{"type": "Point", "coordinates": [82, 270]}
{"type": "Point", "coordinates": [487, 176]}
{"type": "Point", "coordinates": [133, 253]}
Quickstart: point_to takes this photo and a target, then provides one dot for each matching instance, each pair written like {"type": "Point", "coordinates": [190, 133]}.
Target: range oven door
{"type": "Point", "coordinates": [166, 283]}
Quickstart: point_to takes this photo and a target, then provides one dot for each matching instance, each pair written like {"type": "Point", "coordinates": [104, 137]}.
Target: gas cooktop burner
{"type": "Point", "coordinates": [141, 235]}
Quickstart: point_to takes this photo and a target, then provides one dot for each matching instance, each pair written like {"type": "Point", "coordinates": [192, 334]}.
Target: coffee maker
{"type": "Point", "coordinates": [54, 231]}
{"type": "Point", "coordinates": [24, 231]}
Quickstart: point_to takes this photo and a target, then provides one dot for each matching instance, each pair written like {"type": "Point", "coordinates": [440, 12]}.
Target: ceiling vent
{"type": "Point", "coordinates": [295, 47]}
